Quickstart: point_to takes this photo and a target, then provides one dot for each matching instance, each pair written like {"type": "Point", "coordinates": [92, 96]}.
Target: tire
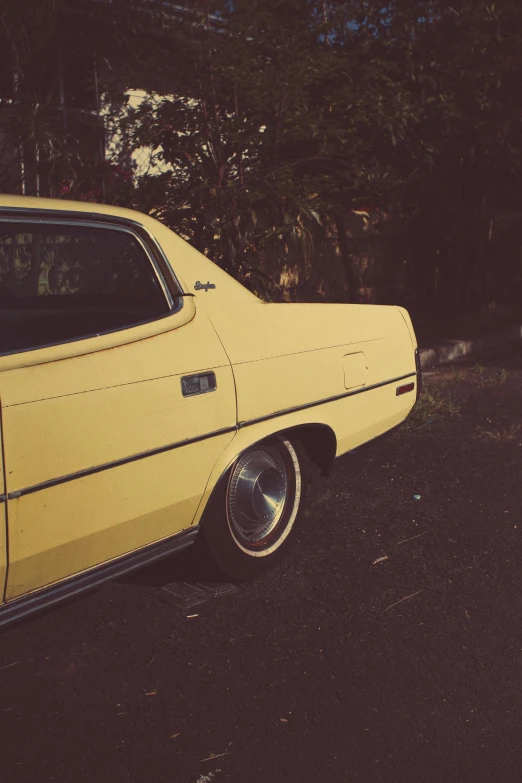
{"type": "Point", "coordinates": [252, 518]}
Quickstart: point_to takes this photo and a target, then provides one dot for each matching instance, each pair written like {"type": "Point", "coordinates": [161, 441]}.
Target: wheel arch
{"type": "Point", "coordinates": [320, 443]}
{"type": "Point", "coordinates": [318, 440]}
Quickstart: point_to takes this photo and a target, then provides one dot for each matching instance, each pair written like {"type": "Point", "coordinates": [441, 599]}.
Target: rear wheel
{"type": "Point", "coordinates": [251, 520]}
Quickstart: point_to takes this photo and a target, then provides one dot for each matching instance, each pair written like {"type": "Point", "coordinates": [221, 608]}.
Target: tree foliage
{"type": "Point", "coordinates": [271, 122]}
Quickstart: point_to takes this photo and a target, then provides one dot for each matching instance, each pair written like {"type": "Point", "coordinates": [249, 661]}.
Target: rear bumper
{"type": "Point", "coordinates": [418, 370]}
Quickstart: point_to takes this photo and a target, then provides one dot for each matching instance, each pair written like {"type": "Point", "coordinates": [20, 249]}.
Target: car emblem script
{"type": "Point", "coordinates": [203, 286]}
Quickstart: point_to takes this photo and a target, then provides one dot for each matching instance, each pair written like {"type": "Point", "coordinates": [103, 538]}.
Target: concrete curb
{"type": "Point", "coordinates": [452, 350]}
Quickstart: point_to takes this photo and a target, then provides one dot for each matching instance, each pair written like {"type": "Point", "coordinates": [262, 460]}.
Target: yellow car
{"type": "Point", "coordinates": [148, 398]}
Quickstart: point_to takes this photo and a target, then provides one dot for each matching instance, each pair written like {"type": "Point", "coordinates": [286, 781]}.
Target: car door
{"type": "Point", "coordinates": [117, 397]}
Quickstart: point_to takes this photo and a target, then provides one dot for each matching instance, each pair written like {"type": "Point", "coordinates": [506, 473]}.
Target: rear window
{"type": "Point", "coordinates": [60, 283]}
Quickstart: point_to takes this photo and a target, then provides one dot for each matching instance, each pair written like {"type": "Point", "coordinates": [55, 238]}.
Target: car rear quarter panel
{"type": "Point", "coordinates": [285, 356]}
{"type": "Point", "coordinates": [289, 361]}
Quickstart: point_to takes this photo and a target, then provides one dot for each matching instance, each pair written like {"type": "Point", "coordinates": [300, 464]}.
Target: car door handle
{"type": "Point", "coordinates": [198, 384]}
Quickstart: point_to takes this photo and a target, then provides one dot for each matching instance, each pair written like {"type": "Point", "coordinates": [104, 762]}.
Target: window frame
{"type": "Point", "coordinates": [166, 278]}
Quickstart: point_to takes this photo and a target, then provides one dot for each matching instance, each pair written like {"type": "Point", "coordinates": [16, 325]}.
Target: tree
{"type": "Point", "coordinates": [271, 122]}
{"type": "Point", "coordinates": [276, 122]}
{"type": "Point", "coordinates": [51, 53]}
{"type": "Point", "coordinates": [458, 65]}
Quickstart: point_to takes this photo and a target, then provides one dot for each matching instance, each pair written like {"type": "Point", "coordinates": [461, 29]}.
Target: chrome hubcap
{"type": "Point", "coordinates": [257, 493]}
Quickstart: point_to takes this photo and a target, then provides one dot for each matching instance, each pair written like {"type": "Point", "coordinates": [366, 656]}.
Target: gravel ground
{"type": "Point", "coordinates": [386, 648]}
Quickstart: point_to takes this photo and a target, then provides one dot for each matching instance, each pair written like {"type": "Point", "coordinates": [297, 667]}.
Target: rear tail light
{"type": "Point", "coordinates": [407, 387]}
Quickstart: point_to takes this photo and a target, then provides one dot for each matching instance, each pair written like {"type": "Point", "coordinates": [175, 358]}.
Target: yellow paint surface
{"type": "Point", "coordinates": [283, 382]}
{"type": "Point", "coordinates": [81, 405]}
{"type": "Point", "coordinates": [85, 411]}
{"type": "Point", "coordinates": [355, 370]}
{"type": "Point", "coordinates": [71, 527]}
{"type": "Point", "coordinates": [352, 419]}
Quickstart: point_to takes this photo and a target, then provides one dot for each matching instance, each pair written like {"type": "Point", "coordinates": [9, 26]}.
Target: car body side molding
{"type": "Point", "coordinates": [171, 446]}
{"type": "Point", "coordinates": [314, 404]}
{"type": "Point", "coordinates": [47, 596]}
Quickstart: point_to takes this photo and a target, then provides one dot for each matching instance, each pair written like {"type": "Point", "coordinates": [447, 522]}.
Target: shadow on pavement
{"type": "Point", "coordinates": [192, 565]}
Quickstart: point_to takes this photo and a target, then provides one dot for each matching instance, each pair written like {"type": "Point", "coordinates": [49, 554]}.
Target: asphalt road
{"type": "Point", "coordinates": [332, 668]}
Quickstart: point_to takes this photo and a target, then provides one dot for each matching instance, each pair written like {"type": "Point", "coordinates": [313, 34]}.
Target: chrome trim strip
{"type": "Point", "coordinates": [336, 397]}
{"type": "Point", "coordinates": [85, 337]}
{"type": "Point", "coordinates": [47, 596]}
{"type": "Point", "coordinates": [116, 463]}
{"type": "Point", "coordinates": [189, 441]}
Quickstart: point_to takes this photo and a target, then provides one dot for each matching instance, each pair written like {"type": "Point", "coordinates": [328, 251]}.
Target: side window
{"type": "Point", "coordinates": [60, 283]}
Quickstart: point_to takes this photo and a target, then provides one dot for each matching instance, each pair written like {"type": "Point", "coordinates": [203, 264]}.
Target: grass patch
{"type": "Point", "coordinates": [438, 400]}
{"type": "Point", "coordinates": [478, 375]}
{"type": "Point", "coordinates": [433, 405]}
{"type": "Point", "coordinates": [501, 433]}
